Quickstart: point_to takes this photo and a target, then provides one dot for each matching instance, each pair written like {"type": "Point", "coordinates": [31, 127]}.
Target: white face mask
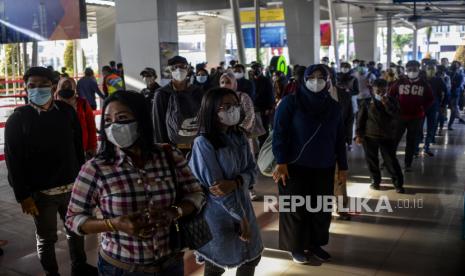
{"type": "Point", "coordinates": [238, 75]}
{"type": "Point", "coordinates": [315, 85]}
{"type": "Point", "coordinates": [122, 135]}
{"type": "Point", "coordinates": [378, 97]}
{"type": "Point", "coordinates": [412, 75]}
{"type": "Point", "coordinates": [345, 70]}
{"type": "Point", "coordinates": [179, 74]}
{"type": "Point", "coordinates": [201, 79]}
{"type": "Point", "coordinates": [231, 117]}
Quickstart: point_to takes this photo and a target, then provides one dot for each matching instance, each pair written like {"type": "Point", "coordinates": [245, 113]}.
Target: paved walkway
{"type": "Point", "coordinates": [408, 241]}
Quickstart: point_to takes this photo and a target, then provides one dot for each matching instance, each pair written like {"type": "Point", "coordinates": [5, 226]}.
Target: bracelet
{"type": "Point", "coordinates": [110, 225]}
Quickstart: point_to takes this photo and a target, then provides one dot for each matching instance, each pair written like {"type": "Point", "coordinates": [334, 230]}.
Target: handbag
{"type": "Point", "coordinates": [266, 161]}
{"type": "Point", "coordinates": [191, 231]}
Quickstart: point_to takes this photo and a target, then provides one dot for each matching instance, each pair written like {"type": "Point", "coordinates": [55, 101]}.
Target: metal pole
{"type": "Point", "coordinates": [257, 30]}
{"type": "Point", "coordinates": [35, 52]}
{"type": "Point", "coordinates": [75, 67]}
{"type": "Point", "coordinates": [238, 30]}
{"type": "Point", "coordinates": [348, 34]}
{"type": "Point", "coordinates": [25, 57]}
{"type": "Point", "coordinates": [415, 44]}
{"type": "Point", "coordinates": [7, 85]}
{"type": "Point", "coordinates": [332, 17]}
{"type": "Point", "coordinates": [389, 40]}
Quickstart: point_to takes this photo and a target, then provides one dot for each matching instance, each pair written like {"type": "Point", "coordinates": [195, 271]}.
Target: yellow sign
{"type": "Point", "coordinates": [268, 15]}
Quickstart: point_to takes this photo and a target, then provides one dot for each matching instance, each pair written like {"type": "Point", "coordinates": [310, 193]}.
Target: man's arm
{"type": "Point", "coordinates": [160, 105]}
{"type": "Point", "coordinates": [15, 157]}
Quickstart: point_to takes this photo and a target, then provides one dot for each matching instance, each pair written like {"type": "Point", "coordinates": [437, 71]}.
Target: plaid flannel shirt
{"type": "Point", "coordinates": [122, 189]}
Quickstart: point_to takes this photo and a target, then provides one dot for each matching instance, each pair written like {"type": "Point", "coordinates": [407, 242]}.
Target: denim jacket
{"type": "Point", "coordinates": [224, 214]}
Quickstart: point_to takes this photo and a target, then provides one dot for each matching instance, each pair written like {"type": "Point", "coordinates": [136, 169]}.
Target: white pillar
{"type": "Point", "coordinates": [415, 44]}
{"type": "Point", "coordinates": [79, 58]}
{"type": "Point", "coordinates": [106, 24]}
{"type": "Point", "coordinates": [215, 40]}
{"type": "Point", "coordinates": [389, 41]}
{"type": "Point", "coordinates": [303, 31]}
{"type": "Point", "coordinates": [143, 27]}
{"type": "Point", "coordinates": [365, 34]}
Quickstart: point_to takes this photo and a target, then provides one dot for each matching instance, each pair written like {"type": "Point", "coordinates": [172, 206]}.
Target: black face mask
{"type": "Point", "coordinates": [66, 93]}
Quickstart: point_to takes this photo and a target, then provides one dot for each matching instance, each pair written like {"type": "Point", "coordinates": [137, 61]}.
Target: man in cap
{"type": "Point", "coordinates": [175, 107]}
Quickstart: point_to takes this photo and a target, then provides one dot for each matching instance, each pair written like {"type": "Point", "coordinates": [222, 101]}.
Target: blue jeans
{"type": "Point", "coordinates": [107, 269]}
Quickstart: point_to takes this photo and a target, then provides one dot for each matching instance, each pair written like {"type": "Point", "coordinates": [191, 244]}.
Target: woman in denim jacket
{"type": "Point", "coordinates": [222, 161]}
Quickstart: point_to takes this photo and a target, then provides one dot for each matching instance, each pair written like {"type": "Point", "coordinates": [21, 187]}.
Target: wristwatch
{"type": "Point", "coordinates": [178, 210]}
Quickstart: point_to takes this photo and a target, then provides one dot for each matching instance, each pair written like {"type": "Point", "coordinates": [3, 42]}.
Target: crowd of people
{"type": "Point", "coordinates": [187, 151]}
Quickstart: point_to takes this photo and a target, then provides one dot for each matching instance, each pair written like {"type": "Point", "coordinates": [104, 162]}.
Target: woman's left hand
{"type": "Point", "coordinates": [222, 188]}
{"type": "Point", "coordinates": [342, 177]}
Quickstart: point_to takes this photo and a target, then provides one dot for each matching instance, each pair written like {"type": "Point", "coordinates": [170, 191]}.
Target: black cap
{"type": "Point", "coordinates": [39, 72]}
{"type": "Point", "coordinates": [148, 71]}
{"type": "Point", "coordinates": [256, 64]}
{"type": "Point", "coordinates": [412, 63]}
{"type": "Point", "coordinates": [177, 59]}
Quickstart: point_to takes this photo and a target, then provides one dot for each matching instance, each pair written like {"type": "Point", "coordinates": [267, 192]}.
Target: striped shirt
{"type": "Point", "coordinates": [122, 189]}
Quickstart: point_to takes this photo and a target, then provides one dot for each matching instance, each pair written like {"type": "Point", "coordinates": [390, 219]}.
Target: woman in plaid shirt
{"type": "Point", "coordinates": [130, 182]}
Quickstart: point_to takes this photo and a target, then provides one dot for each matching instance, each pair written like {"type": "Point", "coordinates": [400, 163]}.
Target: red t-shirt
{"type": "Point", "coordinates": [414, 96]}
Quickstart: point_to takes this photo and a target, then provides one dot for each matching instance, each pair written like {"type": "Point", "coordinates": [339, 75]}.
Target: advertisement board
{"type": "Point", "coordinates": [41, 20]}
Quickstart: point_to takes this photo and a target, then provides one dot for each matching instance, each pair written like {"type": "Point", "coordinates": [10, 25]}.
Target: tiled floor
{"type": "Point", "coordinates": [408, 241]}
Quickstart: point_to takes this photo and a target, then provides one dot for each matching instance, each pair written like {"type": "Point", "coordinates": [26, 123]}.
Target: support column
{"type": "Point", "coordinates": [332, 17]}
{"type": "Point", "coordinates": [106, 24]}
{"type": "Point", "coordinates": [79, 58]}
{"type": "Point", "coordinates": [303, 31]}
{"type": "Point", "coordinates": [144, 29]}
{"type": "Point", "coordinates": [348, 34]}
{"type": "Point", "coordinates": [258, 28]}
{"type": "Point", "coordinates": [389, 41]}
{"type": "Point", "coordinates": [238, 30]}
{"type": "Point", "coordinates": [415, 44]}
{"type": "Point", "coordinates": [365, 34]}
{"type": "Point", "coordinates": [215, 40]}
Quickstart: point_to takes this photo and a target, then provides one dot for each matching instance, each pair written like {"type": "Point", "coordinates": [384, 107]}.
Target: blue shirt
{"type": "Point", "coordinates": [87, 87]}
{"type": "Point", "coordinates": [224, 214]}
{"type": "Point", "coordinates": [300, 117]}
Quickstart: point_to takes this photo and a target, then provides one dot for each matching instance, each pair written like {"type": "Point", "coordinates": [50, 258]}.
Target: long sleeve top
{"type": "Point", "coordinates": [43, 150]}
{"type": "Point", "coordinates": [225, 213]}
{"type": "Point", "coordinates": [119, 188]}
{"type": "Point", "coordinates": [309, 131]}
{"type": "Point", "coordinates": [87, 87]}
{"type": "Point", "coordinates": [414, 96]}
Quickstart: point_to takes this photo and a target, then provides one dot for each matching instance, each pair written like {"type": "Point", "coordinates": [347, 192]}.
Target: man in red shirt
{"type": "Point", "coordinates": [415, 96]}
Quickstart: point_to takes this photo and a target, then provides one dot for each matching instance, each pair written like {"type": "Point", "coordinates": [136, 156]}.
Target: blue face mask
{"type": "Point", "coordinates": [201, 79]}
{"type": "Point", "coordinates": [39, 96]}
{"type": "Point", "coordinates": [378, 97]}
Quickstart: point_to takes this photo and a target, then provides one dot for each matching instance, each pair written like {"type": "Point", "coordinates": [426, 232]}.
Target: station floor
{"type": "Point", "coordinates": [408, 241]}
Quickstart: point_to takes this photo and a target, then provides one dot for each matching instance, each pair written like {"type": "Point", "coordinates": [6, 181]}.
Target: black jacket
{"type": "Point", "coordinates": [246, 86]}
{"type": "Point", "coordinates": [375, 120]}
{"type": "Point", "coordinates": [193, 93]}
{"type": "Point", "coordinates": [264, 97]}
{"type": "Point", "coordinates": [42, 151]}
